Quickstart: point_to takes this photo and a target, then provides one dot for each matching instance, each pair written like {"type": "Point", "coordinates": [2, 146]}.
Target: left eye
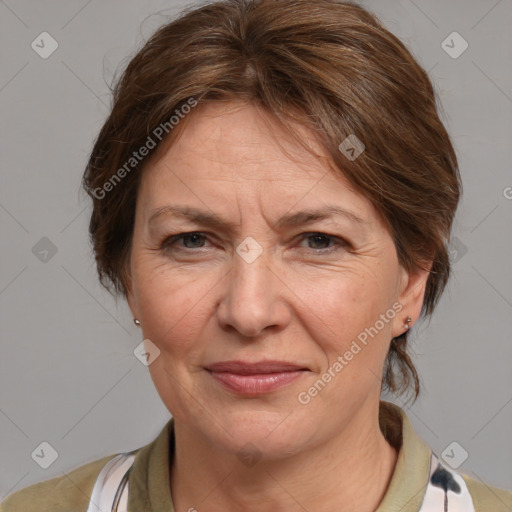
{"type": "Point", "coordinates": [322, 239]}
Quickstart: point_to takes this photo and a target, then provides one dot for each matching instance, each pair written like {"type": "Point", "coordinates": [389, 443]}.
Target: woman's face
{"type": "Point", "coordinates": [263, 281]}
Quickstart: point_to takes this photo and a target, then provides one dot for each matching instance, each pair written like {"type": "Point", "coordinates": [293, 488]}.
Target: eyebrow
{"type": "Point", "coordinates": [213, 220]}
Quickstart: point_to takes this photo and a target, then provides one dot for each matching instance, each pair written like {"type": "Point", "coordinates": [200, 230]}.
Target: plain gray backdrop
{"type": "Point", "coordinates": [68, 374]}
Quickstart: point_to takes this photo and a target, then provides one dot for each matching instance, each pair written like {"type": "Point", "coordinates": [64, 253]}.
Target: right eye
{"type": "Point", "coordinates": [189, 239]}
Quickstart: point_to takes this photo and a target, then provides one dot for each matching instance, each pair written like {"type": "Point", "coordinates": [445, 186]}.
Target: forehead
{"type": "Point", "coordinates": [234, 158]}
{"type": "Point", "coordinates": [236, 163]}
{"type": "Point", "coordinates": [240, 141]}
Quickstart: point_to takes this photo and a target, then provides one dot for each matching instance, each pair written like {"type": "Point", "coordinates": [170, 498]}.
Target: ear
{"type": "Point", "coordinates": [131, 303]}
{"type": "Point", "coordinates": [412, 292]}
{"type": "Point", "coordinates": [130, 296]}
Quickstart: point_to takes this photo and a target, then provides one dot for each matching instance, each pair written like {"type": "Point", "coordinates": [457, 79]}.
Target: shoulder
{"type": "Point", "coordinates": [486, 497]}
{"type": "Point", "coordinates": [70, 492]}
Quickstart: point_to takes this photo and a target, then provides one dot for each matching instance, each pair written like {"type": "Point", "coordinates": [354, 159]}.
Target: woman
{"type": "Point", "coordinates": [273, 193]}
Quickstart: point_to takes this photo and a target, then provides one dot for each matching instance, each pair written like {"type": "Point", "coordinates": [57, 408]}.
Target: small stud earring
{"type": "Point", "coordinates": [136, 322]}
{"type": "Point", "coordinates": [408, 320]}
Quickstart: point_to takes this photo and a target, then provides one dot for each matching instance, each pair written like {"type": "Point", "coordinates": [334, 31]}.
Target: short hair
{"type": "Point", "coordinates": [327, 64]}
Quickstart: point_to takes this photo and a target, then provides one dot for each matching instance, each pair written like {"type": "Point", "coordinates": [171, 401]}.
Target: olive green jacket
{"type": "Point", "coordinates": [149, 489]}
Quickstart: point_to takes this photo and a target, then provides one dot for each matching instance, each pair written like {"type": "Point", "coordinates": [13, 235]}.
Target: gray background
{"type": "Point", "coordinates": [68, 374]}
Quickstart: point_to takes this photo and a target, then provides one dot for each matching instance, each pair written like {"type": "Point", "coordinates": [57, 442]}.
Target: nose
{"type": "Point", "coordinates": [254, 297]}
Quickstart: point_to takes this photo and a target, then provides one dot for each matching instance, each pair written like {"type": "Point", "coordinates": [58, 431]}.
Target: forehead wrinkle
{"type": "Point", "coordinates": [262, 124]}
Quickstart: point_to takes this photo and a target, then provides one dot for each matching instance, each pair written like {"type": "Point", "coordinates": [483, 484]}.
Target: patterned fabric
{"type": "Point", "coordinates": [110, 493]}
{"type": "Point", "coordinates": [446, 490]}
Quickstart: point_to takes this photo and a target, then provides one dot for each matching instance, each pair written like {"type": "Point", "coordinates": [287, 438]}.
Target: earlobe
{"type": "Point", "coordinates": [128, 286]}
{"type": "Point", "coordinates": [130, 298]}
{"type": "Point", "coordinates": [411, 299]}
{"type": "Point", "coordinates": [131, 303]}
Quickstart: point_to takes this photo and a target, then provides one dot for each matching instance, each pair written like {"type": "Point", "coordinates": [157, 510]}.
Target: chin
{"type": "Point", "coordinates": [270, 435]}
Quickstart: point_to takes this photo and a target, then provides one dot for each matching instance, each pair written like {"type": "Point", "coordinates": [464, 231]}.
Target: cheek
{"type": "Point", "coordinates": [174, 305]}
{"type": "Point", "coordinates": [348, 309]}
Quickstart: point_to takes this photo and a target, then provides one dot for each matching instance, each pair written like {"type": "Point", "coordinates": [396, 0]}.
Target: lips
{"type": "Point", "coordinates": [257, 378]}
{"type": "Point", "coordinates": [258, 368]}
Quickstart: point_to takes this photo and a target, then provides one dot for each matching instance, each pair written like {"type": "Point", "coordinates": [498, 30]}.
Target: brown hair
{"type": "Point", "coordinates": [328, 64]}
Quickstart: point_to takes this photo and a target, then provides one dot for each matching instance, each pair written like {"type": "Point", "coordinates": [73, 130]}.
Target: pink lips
{"type": "Point", "coordinates": [255, 378]}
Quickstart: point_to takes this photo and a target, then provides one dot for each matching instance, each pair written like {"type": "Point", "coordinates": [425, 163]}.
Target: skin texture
{"type": "Point", "coordinates": [200, 302]}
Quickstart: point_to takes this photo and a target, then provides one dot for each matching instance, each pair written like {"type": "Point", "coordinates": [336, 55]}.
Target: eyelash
{"type": "Point", "coordinates": [339, 242]}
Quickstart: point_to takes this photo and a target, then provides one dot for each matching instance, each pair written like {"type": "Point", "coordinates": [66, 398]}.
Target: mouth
{"type": "Point", "coordinates": [255, 378]}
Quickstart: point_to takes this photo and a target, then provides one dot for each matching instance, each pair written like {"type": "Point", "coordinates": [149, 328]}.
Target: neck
{"type": "Point", "coordinates": [350, 472]}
